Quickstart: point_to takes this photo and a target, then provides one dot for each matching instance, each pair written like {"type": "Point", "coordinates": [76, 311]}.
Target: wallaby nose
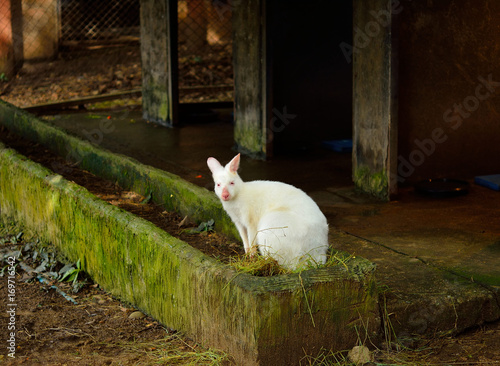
{"type": "Point", "coordinates": [225, 194]}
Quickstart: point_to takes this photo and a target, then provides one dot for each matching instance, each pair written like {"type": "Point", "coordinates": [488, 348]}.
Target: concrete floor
{"type": "Point", "coordinates": [438, 259]}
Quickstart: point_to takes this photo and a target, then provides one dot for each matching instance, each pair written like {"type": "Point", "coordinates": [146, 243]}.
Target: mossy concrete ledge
{"type": "Point", "coordinates": [166, 189]}
{"type": "Point", "coordinates": [267, 321]}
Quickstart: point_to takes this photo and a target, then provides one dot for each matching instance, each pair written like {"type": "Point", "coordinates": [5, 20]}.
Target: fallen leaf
{"type": "Point", "coordinates": [183, 221]}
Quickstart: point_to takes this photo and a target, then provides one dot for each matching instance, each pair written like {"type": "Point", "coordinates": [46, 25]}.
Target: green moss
{"type": "Point", "coordinates": [375, 184]}
{"type": "Point", "coordinates": [167, 189]}
{"type": "Point", "coordinates": [475, 276]}
{"type": "Point", "coordinates": [156, 102]}
{"type": "Point", "coordinates": [250, 140]}
{"type": "Point", "coordinates": [164, 111]}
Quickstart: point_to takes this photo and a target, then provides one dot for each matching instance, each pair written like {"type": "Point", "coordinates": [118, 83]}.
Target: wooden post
{"type": "Point", "coordinates": [374, 97]}
{"type": "Point", "coordinates": [249, 60]}
{"type": "Point", "coordinates": [160, 97]}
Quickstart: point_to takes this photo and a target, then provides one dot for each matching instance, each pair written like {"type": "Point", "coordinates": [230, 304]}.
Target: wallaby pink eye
{"type": "Point", "coordinates": [232, 183]}
{"type": "Point", "coordinates": [218, 184]}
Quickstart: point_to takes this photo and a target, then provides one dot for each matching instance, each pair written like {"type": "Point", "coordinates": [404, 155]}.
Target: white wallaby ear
{"type": "Point", "coordinates": [213, 164]}
{"type": "Point", "coordinates": [234, 164]}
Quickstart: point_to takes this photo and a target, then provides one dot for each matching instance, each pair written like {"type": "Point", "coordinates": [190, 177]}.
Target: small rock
{"type": "Point", "coordinates": [136, 315]}
{"type": "Point", "coordinates": [360, 355]}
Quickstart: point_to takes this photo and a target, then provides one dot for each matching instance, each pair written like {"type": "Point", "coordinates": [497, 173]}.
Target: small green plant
{"type": "Point", "coordinates": [71, 274]}
{"type": "Point", "coordinates": [3, 77]}
{"type": "Point", "coordinates": [204, 227]}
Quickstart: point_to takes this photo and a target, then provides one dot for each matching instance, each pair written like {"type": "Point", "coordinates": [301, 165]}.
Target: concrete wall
{"type": "Point", "coordinates": [449, 79]}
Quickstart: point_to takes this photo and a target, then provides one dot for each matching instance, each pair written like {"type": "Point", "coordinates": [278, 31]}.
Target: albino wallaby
{"type": "Point", "coordinates": [279, 219]}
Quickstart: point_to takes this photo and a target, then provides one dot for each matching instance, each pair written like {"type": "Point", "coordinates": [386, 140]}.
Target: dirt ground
{"type": "Point", "coordinates": [100, 330]}
{"type": "Point", "coordinates": [96, 71]}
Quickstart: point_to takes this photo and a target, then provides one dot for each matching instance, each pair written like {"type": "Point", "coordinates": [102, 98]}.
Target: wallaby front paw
{"type": "Point", "coordinates": [252, 251]}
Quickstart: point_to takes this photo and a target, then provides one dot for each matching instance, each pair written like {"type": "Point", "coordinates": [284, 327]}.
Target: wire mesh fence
{"type": "Point", "coordinates": [55, 50]}
{"type": "Point", "coordinates": [99, 20]}
{"type": "Point", "coordinates": [205, 50]}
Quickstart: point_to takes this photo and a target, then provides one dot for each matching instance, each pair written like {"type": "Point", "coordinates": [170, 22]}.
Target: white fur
{"type": "Point", "coordinates": [281, 220]}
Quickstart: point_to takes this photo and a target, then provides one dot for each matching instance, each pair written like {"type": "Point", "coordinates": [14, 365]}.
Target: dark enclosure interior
{"type": "Point", "coordinates": [309, 79]}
